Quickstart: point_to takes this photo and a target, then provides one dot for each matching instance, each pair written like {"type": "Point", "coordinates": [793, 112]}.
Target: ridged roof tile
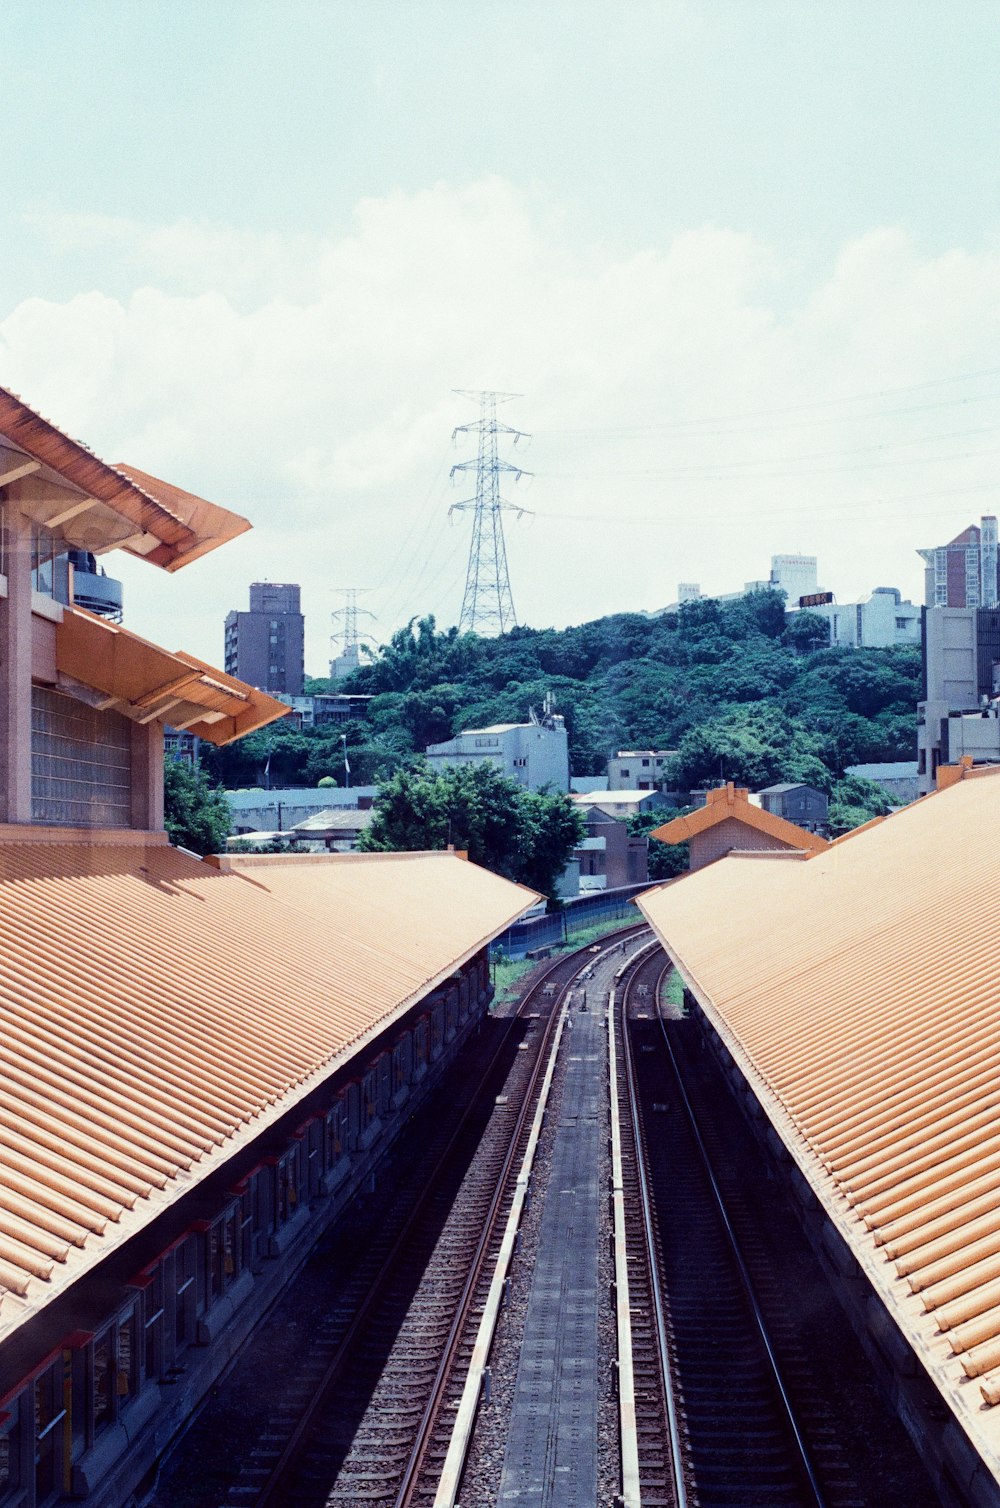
{"type": "Point", "coordinates": [157, 1012]}
{"type": "Point", "coordinates": [860, 992]}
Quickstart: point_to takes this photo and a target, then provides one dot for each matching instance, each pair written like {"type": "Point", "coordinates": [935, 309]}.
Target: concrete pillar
{"type": "Point", "coordinates": [15, 671]}
{"type": "Point", "coordinates": [147, 777]}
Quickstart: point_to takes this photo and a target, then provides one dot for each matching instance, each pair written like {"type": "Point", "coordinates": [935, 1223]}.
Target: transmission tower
{"type": "Point", "coordinates": [350, 656]}
{"type": "Point", "coordinates": [487, 604]}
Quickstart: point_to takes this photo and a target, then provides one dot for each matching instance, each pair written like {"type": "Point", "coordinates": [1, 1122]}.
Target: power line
{"type": "Point", "coordinates": [487, 603]}
{"type": "Point", "coordinates": [797, 408]}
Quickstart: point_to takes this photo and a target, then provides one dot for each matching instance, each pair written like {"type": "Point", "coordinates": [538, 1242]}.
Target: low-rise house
{"type": "Point", "coordinates": [609, 855]}
{"type": "Point", "coordinates": [639, 769]}
{"type": "Point", "coordinates": [729, 823]}
{"type": "Point", "coordinates": [336, 830]}
{"type": "Point", "coordinates": [900, 779]}
{"type": "Point", "coordinates": [796, 802]}
{"type": "Point", "coordinates": [620, 803]}
{"type": "Point", "coordinates": [257, 810]}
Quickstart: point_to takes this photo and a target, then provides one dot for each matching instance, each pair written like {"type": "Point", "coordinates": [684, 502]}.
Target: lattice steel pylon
{"type": "Point", "coordinates": [487, 603]}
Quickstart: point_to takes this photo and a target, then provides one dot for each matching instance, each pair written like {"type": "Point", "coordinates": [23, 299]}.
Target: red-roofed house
{"type": "Point", "coordinates": [728, 822]}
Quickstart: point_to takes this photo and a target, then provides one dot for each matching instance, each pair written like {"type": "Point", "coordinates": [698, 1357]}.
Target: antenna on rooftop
{"type": "Point", "coordinates": [487, 603]}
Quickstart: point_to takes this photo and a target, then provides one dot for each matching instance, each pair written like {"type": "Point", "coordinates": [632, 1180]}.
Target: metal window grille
{"type": "Point", "coordinates": [81, 763]}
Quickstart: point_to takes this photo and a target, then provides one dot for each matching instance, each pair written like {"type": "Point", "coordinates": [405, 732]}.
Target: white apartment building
{"type": "Point", "coordinates": [536, 753]}
{"type": "Point", "coordinates": [877, 621]}
{"type": "Point", "coordinates": [638, 769]}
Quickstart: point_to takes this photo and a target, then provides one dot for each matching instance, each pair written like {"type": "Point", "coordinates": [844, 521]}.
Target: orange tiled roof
{"type": "Point", "coordinates": [730, 802]}
{"type": "Point", "coordinates": [147, 683]}
{"type": "Point", "coordinates": [157, 1013]}
{"type": "Point", "coordinates": [127, 508]}
{"type": "Point", "coordinates": [859, 991]}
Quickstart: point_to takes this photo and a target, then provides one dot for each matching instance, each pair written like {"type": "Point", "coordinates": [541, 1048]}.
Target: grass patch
{"type": "Point", "coordinates": [673, 992]}
{"type": "Point", "coordinates": [508, 972]}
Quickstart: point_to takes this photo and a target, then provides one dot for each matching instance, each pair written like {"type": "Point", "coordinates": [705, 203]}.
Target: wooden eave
{"type": "Point", "coordinates": [149, 684]}
{"type": "Point", "coordinates": [62, 485]}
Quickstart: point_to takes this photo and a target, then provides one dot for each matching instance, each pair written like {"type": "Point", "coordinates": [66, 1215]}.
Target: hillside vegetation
{"type": "Point", "coordinates": [738, 692]}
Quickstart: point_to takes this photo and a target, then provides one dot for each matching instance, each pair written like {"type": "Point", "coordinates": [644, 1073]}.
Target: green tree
{"type": "Point", "coordinates": [806, 632]}
{"type": "Point", "coordinates": [196, 813]}
{"type": "Point", "coordinates": [854, 801]}
{"type": "Point", "coordinates": [525, 836]}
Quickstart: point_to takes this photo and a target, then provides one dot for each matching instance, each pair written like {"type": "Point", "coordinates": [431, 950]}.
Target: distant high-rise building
{"type": "Point", "coordinates": [266, 645]}
{"type": "Point", "coordinates": [965, 572]}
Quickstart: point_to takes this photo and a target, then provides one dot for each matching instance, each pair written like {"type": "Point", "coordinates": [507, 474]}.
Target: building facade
{"type": "Point", "coordinates": [802, 804]}
{"type": "Point", "coordinates": [961, 676]}
{"type": "Point", "coordinates": [966, 571]}
{"type": "Point", "coordinates": [879, 621]}
{"type": "Point", "coordinates": [730, 823]}
{"type": "Point", "coordinates": [535, 754]}
{"type": "Point", "coordinates": [639, 769]}
{"type": "Point", "coordinates": [266, 646]}
{"type": "Point", "coordinates": [609, 855]}
{"type": "Point", "coordinates": [283, 808]}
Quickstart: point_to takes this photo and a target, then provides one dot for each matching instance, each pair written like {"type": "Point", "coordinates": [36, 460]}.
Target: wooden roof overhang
{"type": "Point", "coordinates": [90, 505]}
{"type": "Point", "coordinates": [115, 669]}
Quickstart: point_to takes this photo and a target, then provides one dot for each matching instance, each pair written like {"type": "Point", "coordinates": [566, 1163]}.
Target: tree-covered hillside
{"type": "Point", "coordinates": [740, 695]}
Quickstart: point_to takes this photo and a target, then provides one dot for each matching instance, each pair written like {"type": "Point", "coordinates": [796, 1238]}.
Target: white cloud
{"type": "Point", "coordinates": [307, 381]}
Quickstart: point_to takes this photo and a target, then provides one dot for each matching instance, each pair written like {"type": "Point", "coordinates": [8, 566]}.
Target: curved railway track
{"type": "Point", "coordinates": [400, 1366]}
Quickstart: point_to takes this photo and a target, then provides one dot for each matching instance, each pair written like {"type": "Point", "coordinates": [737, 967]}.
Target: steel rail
{"type": "Point", "coordinates": [268, 1493]}
{"type": "Point", "coordinates": [681, 1495]}
{"type": "Point", "coordinates": [422, 1443]}
{"type": "Point", "coordinates": [305, 1421]}
{"type": "Point", "coordinates": [802, 1449]}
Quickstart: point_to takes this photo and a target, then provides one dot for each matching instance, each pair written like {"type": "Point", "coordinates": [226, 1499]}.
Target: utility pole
{"type": "Point", "coordinates": [487, 603]}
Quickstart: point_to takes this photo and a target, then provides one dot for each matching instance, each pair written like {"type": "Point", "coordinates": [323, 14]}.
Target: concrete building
{"type": "Point", "coordinates": [536, 753]}
{"type": "Point", "coordinates": [878, 621]}
{"type": "Point", "coordinates": [802, 804]}
{"type": "Point", "coordinates": [266, 646]}
{"type": "Point", "coordinates": [900, 779]}
{"type": "Point", "coordinates": [279, 810]}
{"type": "Point", "coordinates": [729, 822]}
{"type": "Point", "coordinates": [345, 663]}
{"type": "Point", "coordinates": [335, 830]}
{"type": "Point", "coordinates": [851, 998]}
{"type": "Point", "coordinates": [588, 785]}
{"type": "Point", "coordinates": [202, 1060]}
{"type": "Point", "coordinates": [966, 571]}
{"type": "Point", "coordinates": [609, 855]}
{"type": "Point", "coordinates": [795, 575]}
{"type": "Point", "coordinates": [639, 769]}
{"type": "Point", "coordinates": [961, 665]}
{"type": "Point", "coordinates": [326, 710]}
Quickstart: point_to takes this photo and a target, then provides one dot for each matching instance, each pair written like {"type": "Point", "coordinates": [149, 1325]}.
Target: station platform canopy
{"type": "Point", "coordinates": [857, 990]}
{"type": "Point", "coordinates": [146, 1042]}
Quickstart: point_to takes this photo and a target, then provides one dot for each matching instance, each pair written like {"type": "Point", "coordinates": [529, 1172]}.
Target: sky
{"type": "Point", "coordinates": [741, 262]}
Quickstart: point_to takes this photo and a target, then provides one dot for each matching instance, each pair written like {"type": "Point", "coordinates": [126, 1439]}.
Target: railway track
{"type": "Point", "coordinates": [727, 1409]}
{"type": "Point", "coordinates": [376, 1427]}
